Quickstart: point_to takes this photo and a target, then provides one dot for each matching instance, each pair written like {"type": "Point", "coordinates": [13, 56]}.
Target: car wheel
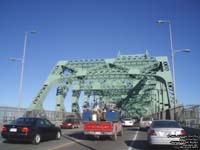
{"type": "Point", "coordinates": [58, 135]}
{"type": "Point", "coordinates": [36, 139]}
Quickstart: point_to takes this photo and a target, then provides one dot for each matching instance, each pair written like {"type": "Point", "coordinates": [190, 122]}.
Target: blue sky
{"type": "Point", "coordinates": [77, 29]}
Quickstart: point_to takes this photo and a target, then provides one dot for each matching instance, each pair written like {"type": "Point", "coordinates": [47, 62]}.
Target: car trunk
{"type": "Point", "coordinates": [166, 132]}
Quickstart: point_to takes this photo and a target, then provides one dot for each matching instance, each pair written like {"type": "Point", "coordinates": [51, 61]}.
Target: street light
{"type": "Point", "coordinates": [182, 50]}
{"type": "Point", "coordinates": [22, 60]}
{"type": "Point", "coordinates": [172, 58]}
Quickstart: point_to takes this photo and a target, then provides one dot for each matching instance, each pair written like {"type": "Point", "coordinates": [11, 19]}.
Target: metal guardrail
{"type": "Point", "coordinates": [8, 114]}
{"type": "Point", "coordinates": [188, 116]}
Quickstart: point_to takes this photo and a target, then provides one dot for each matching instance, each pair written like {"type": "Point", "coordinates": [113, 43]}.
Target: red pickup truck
{"type": "Point", "coordinates": [111, 127]}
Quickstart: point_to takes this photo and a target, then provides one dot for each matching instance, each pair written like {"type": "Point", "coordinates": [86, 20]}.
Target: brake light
{"type": "Point", "coordinates": [183, 132]}
{"type": "Point", "coordinates": [4, 129]}
{"type": "Point", "coordinates": [152, 133]}
{"type": "Point", "coordinates": [25, 130]}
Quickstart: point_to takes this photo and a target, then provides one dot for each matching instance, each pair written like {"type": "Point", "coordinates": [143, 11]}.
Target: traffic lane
{"type": "Point", "coordinates": [82, 143]}
{"type": "Point", "coordinates": [44, 145]}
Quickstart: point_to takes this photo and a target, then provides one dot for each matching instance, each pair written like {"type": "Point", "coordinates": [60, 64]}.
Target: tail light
{"type": "Point", "coordinates": [25, 130]}
{"type": "Point", "coordinates": [183, 132]}
{"type": "Point", "coordinates": [152, 133]}
{"type": "Point", "coordinates": [4, 129]}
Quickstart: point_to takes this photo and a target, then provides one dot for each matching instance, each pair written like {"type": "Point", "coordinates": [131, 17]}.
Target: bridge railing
{"type": "Point", "coordinates": [8, 114]}
{"type": "Point", "coordinates": [191, 116]}
{"type": "Point", "coordinates": [187, 116]}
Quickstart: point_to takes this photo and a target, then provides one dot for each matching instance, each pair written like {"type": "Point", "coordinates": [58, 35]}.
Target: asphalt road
{"type": "Point", "coordinates": [73, 139]}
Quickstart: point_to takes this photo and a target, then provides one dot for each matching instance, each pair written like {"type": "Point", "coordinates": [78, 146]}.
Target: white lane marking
{"type": "Point", "coordinates": [133, 140]}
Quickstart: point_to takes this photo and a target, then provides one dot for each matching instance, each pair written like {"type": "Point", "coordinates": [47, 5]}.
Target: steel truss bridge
{"type": "Point", "coordinates": [138, 84]}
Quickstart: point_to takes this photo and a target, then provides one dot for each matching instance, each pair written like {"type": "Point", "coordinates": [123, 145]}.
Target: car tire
{"type": "Point", "coordinates": [36, 139]}
{"type": "Point", "coordinates": [58, 135]}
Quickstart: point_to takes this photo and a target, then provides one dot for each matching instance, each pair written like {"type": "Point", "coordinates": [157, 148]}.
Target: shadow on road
{"type": "Point", "coordinates": [16, 142]}
{"type": "Point", "coordinates": [131, 129]}
{"type": "Point", "coordinates": [138, 144]}
{"type": "Point", "coordinates": [78, 136]}
{"type": "Point", "coordinates": [81, 136]}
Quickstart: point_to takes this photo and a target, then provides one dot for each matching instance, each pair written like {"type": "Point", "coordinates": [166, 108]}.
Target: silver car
{"type": "Point", "coordinates": [165, 132]}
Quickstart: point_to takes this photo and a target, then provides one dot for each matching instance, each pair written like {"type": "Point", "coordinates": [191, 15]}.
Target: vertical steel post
{"type": "Point", "coordinates": [173, 67]}
{"type": "Point", "coordinates": [172, 60]}
{"type": "Point", "coordinates": [22, 73]}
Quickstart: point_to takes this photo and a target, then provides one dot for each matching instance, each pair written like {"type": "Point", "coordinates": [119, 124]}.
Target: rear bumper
{"type": "Point", "coordinates": [17, 137]}
{"type": "Point", "coordinates": [164, 141]}
{"type": "Point", "coordinates": [66, 126]}
{"type": "Point", "coordinates": [98, 133]}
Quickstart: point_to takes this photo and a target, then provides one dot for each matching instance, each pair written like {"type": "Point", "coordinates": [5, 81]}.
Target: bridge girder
{"type": "Point", "coordinates": [136, 83]}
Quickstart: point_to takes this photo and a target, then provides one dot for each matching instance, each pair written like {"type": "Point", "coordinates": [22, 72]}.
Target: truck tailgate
{"type": "Point", "coordinates": [98, 126]}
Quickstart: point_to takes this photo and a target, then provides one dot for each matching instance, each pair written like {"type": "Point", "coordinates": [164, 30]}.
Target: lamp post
{"type": "Point", "coordinates": [22, 60]}
{"type": "Point", "coordinates": [172, 59]}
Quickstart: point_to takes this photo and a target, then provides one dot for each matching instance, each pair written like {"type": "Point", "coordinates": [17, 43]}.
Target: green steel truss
{"type": "Point", "coordinates": [138, 84]}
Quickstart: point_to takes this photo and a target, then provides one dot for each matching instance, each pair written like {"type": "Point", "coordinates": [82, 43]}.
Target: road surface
{"type": "Point", "coordinates": [73, 139]}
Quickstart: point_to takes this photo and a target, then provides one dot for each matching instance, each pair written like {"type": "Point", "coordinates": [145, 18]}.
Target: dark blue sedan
{"type": "Point", "coordinates": [30, 129]}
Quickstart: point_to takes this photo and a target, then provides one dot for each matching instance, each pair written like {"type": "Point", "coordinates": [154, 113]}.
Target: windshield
{"type": "Point", "coordinates": [23, 121]}
{"type": "Point", "coordinates": [165, 124]}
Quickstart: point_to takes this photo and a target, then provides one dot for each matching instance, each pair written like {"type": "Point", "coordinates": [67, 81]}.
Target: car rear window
{"type": "Point", "coordinates": [146, 119]}
{"type": "Point", "coordinates": [165, 124]}
{"type": "Point", "coordinates": [71, 120]}
{"type": "Point", "coordinates": [23, 121]}
{"type": "Point", "coordinates": [128, 119]}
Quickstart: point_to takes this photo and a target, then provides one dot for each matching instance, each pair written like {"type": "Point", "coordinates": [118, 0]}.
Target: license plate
{"type": "Point", "coordinates": [13, 129]}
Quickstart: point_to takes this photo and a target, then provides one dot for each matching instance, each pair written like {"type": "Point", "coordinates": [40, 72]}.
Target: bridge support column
{"type": "Point", "coordinates": [86, 100]}
{"type": "Point", "coordinates": [60, 97]}
{"type": "Point", "coordinates": [75, 98]}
